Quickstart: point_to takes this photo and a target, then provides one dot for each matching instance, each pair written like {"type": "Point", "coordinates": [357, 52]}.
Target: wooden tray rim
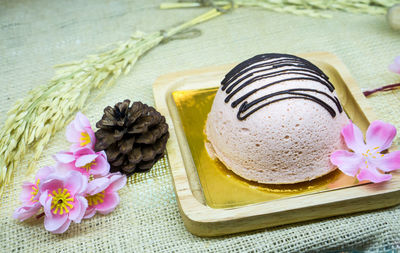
{"type": "Point", "coordinates": [203, 220]}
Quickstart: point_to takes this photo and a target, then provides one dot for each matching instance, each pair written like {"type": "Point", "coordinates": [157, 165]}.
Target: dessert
{"type": "Point", "coordinates": [276, 119]}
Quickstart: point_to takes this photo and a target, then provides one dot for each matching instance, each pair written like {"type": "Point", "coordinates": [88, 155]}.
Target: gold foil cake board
{"type": "Point", "coordinates": [213, 201]}
{"type": "Point", "coordinates": [221, 187]}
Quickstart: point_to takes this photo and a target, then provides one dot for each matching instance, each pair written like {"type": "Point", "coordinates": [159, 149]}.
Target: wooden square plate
{"type": "Point", "coordinates": [213, 201]}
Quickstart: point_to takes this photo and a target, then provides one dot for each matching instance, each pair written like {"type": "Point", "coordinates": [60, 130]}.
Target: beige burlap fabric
{"type": "Point", "coordinates": [35, 35]}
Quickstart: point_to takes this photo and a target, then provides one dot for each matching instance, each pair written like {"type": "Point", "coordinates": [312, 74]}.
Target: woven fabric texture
{"type": "Point", "coordinates": [35, 35]}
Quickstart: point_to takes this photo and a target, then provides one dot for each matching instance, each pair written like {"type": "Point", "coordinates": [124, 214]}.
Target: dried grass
{"type": "Point", "coordinates": [34, 119]}
{"type": "Point", "coordinates": [313, 8]}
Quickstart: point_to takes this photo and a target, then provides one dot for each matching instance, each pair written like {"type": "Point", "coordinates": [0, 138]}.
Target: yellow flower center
{"type": "Point", "coordinates": [61, 201]}
{"type": "Point", "coordinates": [88, 166]}
{"type": "Point", "coordinates": [95, 199]}
{"type": "Point", "coordinates": [371, 153]}
{"type": "Point", "coordinates": [35, 190]}
{"type": "Point", "coordinates": [85, 139]}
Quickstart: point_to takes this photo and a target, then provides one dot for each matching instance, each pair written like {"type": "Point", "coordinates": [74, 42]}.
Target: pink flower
{"type": "Point", "coordinates": [30, 195]}
{"type": "Point", "coordinates": [366, 158]}
{"type": "Point", "coordinates": [395, 66]}
{"type": "Point", "coordinates": [62, 197]}
{"type": "Point", "coordinates": [102, 194]}
{"type": "Point", "coordinates": [80, 133]}
{"type": "Point", "coordinates": [84, 160]}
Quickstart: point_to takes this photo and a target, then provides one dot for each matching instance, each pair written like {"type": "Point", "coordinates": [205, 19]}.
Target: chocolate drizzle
{"type": "Point", "coordinates": [244, 74]}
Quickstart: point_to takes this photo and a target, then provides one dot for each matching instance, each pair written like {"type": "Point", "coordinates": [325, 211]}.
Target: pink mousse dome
{"type": "Point", "coordinates": [276, 120]}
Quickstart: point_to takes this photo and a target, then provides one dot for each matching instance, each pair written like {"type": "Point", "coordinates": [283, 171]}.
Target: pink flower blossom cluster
{"type": "Point", "coordinates": [76, 187]}
{"type": "Point", "coordinates": [368, 160]}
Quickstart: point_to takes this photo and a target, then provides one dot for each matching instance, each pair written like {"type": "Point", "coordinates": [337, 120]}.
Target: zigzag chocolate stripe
{"type": "Point", "coordinates": [243, 74]}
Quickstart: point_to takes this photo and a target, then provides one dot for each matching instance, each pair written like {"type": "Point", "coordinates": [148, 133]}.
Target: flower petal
{"type": "Point", "coordinates": [111, 200]}
{"type": "Point", "coordinates": [82, 120]}
{"type": "Point", "coordinates": [85, 159]}
{"type": "Point", "coordinates": [74, 213]}
{"type": "Point", "coordinates": [26, 193]}
{"type": "Point", "coordinates": [80, 204]}
{"type": "Point", "coordinates": [90, 212]}
{"type": "Point", "coordinates": [55, 222]}
{"type": "Point", "coordinates": [97, 185]}
{"type": "Point", "coordinates": [349, 163]}
{"type": "Point", "coordinates": [388, 162]}
{"type": "Point", "coordinates": [380, 135]}
{"type": "Point", "coordinates": [52, 183]}
{"type": "Point", "coordinates": [373, 175]}
{"type": "Point", "coordinates": [62, 228]}
{"type": "Point", "coordinates": [72, 134]}
{"type": "Point", "coordinates": [117, 182]}
{"type": "Point", "coordinates": [75, 146]}
{"type": "Point", "coordinates": [75, 183]}
{"type": "Point", "coordinates": [46, 203]}
{"type": "Point", "coordinates": [24, 212]}
{"type": "Point", "coordinates": [76, 130]}
{"type": "Point", "coordinates": [353, 137]}
{"type": "Point", "coordinates": [101, 168]}
{"type": "Point", "coordinates": [83, 151]}
{"type": "Point", "coordinates": [43, 197]}
{"type": "Point", "coordinates": [92, 137]}
{"type": "Point", "coordinates": [44, 172]}
{"type": "Point", "coordinates": [65, 168]}
{"type": "Point", "coordinates": [64, 157]}
{"type": "Point", "coordinates": [395, 66]}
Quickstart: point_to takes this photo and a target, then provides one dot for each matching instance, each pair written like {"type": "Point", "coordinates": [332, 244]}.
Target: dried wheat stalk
{"type": "Point", "coordinates": [48, 108]}
{"type": "Point", "coordinates": [313, 8]}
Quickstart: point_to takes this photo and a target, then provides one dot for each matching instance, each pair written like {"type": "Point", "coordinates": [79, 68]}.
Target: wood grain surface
{"type": "Point", "coordinates": [203, 220]}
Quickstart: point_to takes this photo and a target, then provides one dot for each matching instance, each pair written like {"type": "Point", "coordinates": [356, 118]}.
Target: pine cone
{"type": "Point", "coordinates": [134, 138]}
